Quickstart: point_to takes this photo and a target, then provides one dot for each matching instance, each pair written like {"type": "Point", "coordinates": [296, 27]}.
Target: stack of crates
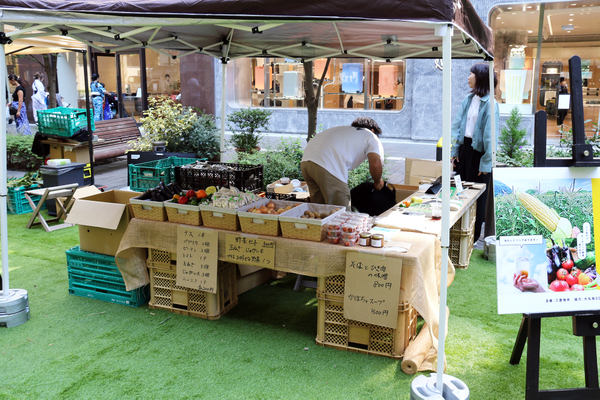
{"type": "Point", "coordinates": [166, 295]}
{"type": "Point", "coordinates": [461, 238]}
{"type": "Point", "coordinates": [334, 330]}
{"type": "Point", "coordinates": [97, 276]}
{"type": "Point", "coordinates": [17, 202]}
{"type": "Point", "coordinates": [63, 121]}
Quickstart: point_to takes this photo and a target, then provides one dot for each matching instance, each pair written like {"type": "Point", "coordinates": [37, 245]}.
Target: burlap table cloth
{"type": "Point", "coordinates": [420, 264]}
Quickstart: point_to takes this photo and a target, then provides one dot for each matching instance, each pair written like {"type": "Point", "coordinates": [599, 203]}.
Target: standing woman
{"type": "Point", "coordinates": [18, 102]}
{"type": "Point", "coordinates": [97, 97]}
{"type": "Point", "coordinates": [472, 136]}
{"type": "Point", "coordinates": [38, 99]}
{"type": "Point", "coordinates": [562, 113]}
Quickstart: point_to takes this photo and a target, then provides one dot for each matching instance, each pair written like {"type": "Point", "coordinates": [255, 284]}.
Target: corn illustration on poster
{"type": "Point", "coordinates": [546, 239]}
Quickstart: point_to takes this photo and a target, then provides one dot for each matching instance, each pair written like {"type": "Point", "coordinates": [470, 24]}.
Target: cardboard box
{"type": "Point", "coordinates": [80, 193]}
{"type": "Point", "coordinates": [285, 189]}
{"type": "Point", "coordinates": [249, 277]}
{"type": "Point", "coordinates": [102, 220]}
{"type": "Point", "coordinates": [80, 154]}
{"type": "Point", "coordinates": [419, 171]}
{"type": "Point", "coordinates": [403, 191]}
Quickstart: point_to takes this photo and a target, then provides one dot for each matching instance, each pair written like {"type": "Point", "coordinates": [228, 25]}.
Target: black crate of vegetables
{"type": "Point", "coordinates": [203, 174]}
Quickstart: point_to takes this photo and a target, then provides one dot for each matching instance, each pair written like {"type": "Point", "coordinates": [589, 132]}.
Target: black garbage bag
{"type": "Point", "coordinates": [373, 202]}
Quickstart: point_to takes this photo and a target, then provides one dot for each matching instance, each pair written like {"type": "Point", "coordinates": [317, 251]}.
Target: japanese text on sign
{"type": "Point", "coordinates": [249, 250]}
{"type": "Point", "coordinates": [197, 258]}
{"type": "Point", "coordinates": [372, 289]}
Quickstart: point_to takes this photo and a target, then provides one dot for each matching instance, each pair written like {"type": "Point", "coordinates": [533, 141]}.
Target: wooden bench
{"type": "Point", "coordinates": [114, 135]}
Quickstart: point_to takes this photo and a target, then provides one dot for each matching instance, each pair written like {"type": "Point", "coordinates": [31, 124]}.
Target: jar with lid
{"type": "Point", "coordinates": [377, 240]}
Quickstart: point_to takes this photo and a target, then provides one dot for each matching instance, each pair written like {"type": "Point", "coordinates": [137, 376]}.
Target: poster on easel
{"type": "Point", "coordinates": [546, 239]}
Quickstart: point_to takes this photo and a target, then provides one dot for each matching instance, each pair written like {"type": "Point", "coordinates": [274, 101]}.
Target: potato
{"type": "Point", "coordinates": [324, 215]}
{"type": "Point", "coordinates": [307, 213]}
{"type": "Point", "coordinates": [303, 216]}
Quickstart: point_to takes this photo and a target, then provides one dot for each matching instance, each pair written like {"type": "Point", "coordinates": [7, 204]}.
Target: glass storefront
{"type": "Point", "coordinates": [348, 83]}
{"type": "Point", "coordinates": [531, 82]}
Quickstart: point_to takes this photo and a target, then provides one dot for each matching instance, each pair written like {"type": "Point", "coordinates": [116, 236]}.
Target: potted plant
{"type": "Point", "coordinates": [203, 138]}
{"type": "Point", "coordinates": [244, 125]}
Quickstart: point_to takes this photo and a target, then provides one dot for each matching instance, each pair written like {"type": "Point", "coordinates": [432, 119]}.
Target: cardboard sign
{"type": "Point", "coordinates": [372, 289]}
{"type": "Point", "coordinates": [249, 250]}
{"type": "Point", "coordinates": [197, 258]}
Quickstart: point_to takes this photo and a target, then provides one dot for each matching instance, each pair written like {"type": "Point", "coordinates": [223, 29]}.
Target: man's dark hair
{"type": "Point", "coordinates": [368, 123]}
{"type": "Point", "coordinates": [562, 79]}
{"type": "Point", "coordinates": [482, 79]}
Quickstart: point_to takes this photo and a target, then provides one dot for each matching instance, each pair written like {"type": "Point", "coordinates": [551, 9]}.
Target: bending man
{"type": "Point", "coordinates": [332, 153]}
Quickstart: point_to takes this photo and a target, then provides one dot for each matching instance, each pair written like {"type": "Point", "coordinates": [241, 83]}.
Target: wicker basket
{"type": "Point", "coordinates": [292, 226]}
{"type": "Point", "coordinates": [262, 224]}
{"type": "Point", "coordinates": [183, 213]}
{"type": "Point", "coordinates": [220, 218]}
{"type": "Point", "coordinates": [165, 294]}
{"type": "Point", "coordinates": [333, 330]}
{"type": "Point", "coordinates": [146, 209]}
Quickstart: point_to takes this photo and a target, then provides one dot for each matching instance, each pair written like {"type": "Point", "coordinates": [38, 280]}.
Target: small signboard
{"type": "Point", "coordinates": [372, 289]}
{"type": "Point", "coordinates": [197, 258]}
{"type": "Point", "coordinates": [250, 250]}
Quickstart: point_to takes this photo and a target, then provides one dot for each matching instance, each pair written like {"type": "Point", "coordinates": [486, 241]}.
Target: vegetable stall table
{"type": "Point", "coordinates": [462, 222]}
{"type": "Point", "coordinates": [420, 264]}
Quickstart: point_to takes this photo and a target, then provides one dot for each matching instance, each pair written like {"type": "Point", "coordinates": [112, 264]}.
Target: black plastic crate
{"type": "Point", "coordinates": [245, 177]}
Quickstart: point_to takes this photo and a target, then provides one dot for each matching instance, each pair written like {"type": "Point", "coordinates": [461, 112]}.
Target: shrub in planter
{"type": "Point", "coordinates": [19, 155]}
{"type": "Point", "coordinates": [244, 125]}
{"type": "Point", "coordinates": [165, 121]}
{"type": "Point", "coordinates": [203, 138]}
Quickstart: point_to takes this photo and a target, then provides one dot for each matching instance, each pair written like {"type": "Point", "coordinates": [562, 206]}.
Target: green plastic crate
{"type": "Point", "coordinates": [17, 202]}
{"type": "Point", "coordinates": [97, 276]}
{"type": "Point", "coordinates": [148, 175]}
{"type": "Point", "coordinates": [62, 121]}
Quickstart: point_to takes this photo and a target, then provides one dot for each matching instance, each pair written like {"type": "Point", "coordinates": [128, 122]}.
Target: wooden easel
{"type": "Point", "coordinates": [51, 193]}
{"type": "Point", "coordinates": [585, 323]}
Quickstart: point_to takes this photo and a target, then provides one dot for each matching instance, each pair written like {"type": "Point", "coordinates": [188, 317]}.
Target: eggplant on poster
{"type": "Point", "coordinates": [546, 239]}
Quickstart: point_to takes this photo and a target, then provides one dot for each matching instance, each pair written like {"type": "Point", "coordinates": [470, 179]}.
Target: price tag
{"type": "Point", "coordinates": [372, 289]}
{"type": "Point", "coordinates": [458, 184]}
{"type": "Point", "coordinates": [249, 250]}
{"type": "Point", "coordinates": [197, 258]}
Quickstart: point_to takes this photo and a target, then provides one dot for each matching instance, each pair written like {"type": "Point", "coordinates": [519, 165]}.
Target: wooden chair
{"type": "Point", "coordinates": [51, 193]}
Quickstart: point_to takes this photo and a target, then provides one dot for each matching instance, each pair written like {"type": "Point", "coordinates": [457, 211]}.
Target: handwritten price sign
{"type": "Point", "coordinates": [248, 250]}
{"type": "Point", "coordinates": [197, 258]}
{"type": "Point", "coordinates": [372, 289]}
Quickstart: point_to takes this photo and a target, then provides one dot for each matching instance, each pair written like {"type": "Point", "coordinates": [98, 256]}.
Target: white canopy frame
{"type": "Point", "coordinates": [80, 25]}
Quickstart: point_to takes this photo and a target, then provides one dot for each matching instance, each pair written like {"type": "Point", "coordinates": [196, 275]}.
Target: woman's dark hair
{"type": "Point", "coordinates": [368, 123]}
{"type": "Point", "coordinates": [482, 79]}
{"type": "Point", "coordinates": [95, 77]}
{"type": "Point", "coordinates": [562, 79]}
{"type": "Point", "coordinates": [37, 75]}
{"type": "Point", "coordinates": [13, 77]}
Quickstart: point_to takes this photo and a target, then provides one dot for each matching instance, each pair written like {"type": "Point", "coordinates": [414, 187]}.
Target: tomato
{"type": "Point", "coordinates": [183, 200]}
{"type": "Point", "coordinates": [176, 197]}
{"type": "Point", "coordinates": [567, 265]}
{"type": "Point", "coordinates": [556, 286]}
{"type": "Point", "coordinates": [584, 279]}
{"type": "Point", "coordinates": [200, 194]}
{"type": "Point", "coordinates": [562, 274]}
{"type": "Point", "coordinates": [575, 272]}
{"type": "Point", "coordinates": [571, 280]}
{"type": "Point", "coordinates": [577, 288]}
{"type": "Point", "coordinates": [190, 193]}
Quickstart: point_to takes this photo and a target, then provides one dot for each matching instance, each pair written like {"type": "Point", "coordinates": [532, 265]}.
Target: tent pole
{"type": "Point", "coordinates": [446, 127]}
{"type": "Point", "coordinates": [3, 173]}
{"type": "Point", "coordinates": [88, 113]}
{"type": "Point", "coordinates": [223, 102]}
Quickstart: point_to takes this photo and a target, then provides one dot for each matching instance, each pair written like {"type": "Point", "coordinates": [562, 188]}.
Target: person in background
{"type": "Point", "coordinates": [97, 97]}
{"type": "Point", "coordinates": [38, 99]}
{"type": "Point", "coordinates": [332, 153]}
{"type": "Point", "coordinates": [18, 102]}
{"type": "Point", "coordinates": [167, 89]}
{"type": "Point", "coordinates": [472, 136]}
{"type": "Point", "coordinates": [562, 89]}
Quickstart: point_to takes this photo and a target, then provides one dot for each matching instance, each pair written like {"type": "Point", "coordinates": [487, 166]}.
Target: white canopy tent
{"type": "Point", "coordinates": [379, 29]}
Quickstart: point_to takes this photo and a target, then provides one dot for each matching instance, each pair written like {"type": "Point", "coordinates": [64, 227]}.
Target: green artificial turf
{"type": "Point", "coordinates": [264, 348]}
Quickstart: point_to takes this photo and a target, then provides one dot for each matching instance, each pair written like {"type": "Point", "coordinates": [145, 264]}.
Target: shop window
{"type": "Point", "coordinates": [348, 83]}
